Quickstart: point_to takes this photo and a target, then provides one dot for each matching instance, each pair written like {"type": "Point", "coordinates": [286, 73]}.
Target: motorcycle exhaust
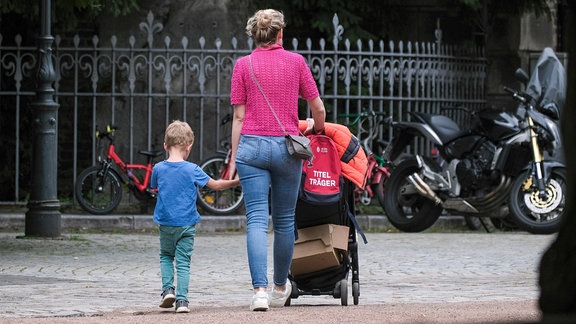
{"type": "Point", "coordinates": [424, 189]}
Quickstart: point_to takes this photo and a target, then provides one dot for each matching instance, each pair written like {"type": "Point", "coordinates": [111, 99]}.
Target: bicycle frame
{"type": "Point", "coordinates": [128, 169]}
{"type": "Point", "coordinates": [378, 168]}
{"type": "Point", "coordinates": [226, 170]}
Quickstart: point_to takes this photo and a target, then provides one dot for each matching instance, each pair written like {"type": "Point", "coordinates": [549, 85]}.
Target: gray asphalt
{"type": "Point", "coordinates": [89, 274]}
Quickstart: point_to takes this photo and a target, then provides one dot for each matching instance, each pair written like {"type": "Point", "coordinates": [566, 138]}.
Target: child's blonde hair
{"type": "Point", "coordinates": [178, 133]}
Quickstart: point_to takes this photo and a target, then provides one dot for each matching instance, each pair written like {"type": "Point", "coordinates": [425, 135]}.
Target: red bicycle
{"type": "Point", "coordinates": [98, 188]}
{"type": "Point", "coordinates": [379, 169]}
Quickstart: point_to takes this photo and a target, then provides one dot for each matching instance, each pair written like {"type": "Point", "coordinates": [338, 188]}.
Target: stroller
{"type": "Point", "coordinates": [337, 212]}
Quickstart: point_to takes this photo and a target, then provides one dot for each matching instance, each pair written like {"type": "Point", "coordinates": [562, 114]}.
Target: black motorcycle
{"type": "Point", "coordinates": [503, 166]}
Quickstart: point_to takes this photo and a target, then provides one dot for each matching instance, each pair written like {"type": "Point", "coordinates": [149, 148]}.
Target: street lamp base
{"type": "Point", "coordinates": [43, 219]}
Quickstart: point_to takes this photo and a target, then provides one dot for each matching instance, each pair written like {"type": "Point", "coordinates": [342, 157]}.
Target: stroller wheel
{"type": "Point", "coordinates": [294, 293]}
{"type": "Point", "coordinates": [336, 293]}
{"type": "Point", "coordinates": [356, 292]}
{"type": "Point", "coordinates": [344, 292]}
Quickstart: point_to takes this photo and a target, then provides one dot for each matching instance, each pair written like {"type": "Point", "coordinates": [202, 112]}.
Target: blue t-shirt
{"type": "Point", "coordinates": [176, 183]}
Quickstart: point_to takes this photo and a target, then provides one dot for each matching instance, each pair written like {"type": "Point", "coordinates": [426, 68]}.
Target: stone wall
{"type": "Point", "coordinates": [191, 18]}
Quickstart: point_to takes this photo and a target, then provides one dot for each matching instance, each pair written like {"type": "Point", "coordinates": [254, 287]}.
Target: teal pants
{"type": "Point", "coordinates": [176, 247]}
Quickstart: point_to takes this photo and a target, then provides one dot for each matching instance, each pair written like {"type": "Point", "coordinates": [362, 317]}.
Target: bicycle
{"type": "Point", "coordinates": [220, 202]}
{"type": "Point", "coordinates": [98, 188]}
{"type": "Point", "coordinates": [379, 168]}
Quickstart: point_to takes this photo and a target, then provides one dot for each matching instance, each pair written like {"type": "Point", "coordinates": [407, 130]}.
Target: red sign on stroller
{"type": "Point", "coordinates": [322, 176]}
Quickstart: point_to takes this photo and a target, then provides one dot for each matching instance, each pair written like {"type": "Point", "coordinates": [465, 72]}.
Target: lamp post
{"type": "Point", "coordinates": [43, 216]}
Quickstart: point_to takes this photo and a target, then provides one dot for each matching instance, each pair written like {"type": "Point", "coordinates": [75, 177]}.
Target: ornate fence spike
{"type": "Point", "coordinates": [338, 31]}
{"type": "Point", "coordinates": [295, 44]}
{"type": "Point", "coordinates": [150, 28]}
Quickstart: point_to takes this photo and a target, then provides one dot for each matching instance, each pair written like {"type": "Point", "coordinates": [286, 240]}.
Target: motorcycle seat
{"type": "Point", "coordinates": [445, 128]}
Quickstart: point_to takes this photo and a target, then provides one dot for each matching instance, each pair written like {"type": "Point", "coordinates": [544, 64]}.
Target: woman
{"type": "Point", "coordinates": [259, 151]}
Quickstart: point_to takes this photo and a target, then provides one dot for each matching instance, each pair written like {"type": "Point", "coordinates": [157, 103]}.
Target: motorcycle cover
{"type": "Point", "coordinates": [547, 83]}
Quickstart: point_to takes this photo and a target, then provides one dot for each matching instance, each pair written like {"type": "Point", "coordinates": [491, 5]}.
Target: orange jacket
{"type": "Point", "coordinates": [352, 156]}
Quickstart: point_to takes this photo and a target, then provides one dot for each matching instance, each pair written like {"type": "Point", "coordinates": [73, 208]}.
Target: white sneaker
{"type": "Point", "coordinates": [279, 297]}
{"type": "Point", "coordinates": [259, 301]}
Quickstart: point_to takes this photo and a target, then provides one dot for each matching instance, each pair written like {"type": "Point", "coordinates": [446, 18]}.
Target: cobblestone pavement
{"type": "Point", "coordinates": [92, 274]}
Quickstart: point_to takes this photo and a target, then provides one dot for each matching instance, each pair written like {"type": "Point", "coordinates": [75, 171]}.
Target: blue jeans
{"type": "Point", "coordinates": [264, 166]}
{"type": "Point", "coordinates": [176, 244]}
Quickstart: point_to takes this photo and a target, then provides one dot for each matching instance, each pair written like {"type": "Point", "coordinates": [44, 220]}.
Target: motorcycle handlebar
{"type": "Point", "coordinates": [516, 95]}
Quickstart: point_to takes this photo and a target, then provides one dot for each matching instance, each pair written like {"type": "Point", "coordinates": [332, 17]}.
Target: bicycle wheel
{"type": "Point", "coordinates": [96, 192]}
{"type": "Point", "coordinates": [219, 202]}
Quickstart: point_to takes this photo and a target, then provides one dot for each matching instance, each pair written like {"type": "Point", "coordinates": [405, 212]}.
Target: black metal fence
{"type": "Point", "coordinates": [144, 83]}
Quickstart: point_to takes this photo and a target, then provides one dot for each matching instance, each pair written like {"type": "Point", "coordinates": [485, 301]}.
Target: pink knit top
{"type": "Point", "coordinates": [284, 76]}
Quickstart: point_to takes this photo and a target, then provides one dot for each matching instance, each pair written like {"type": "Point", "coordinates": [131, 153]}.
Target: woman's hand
{"type": "Point", "coordinates": [232, 174]}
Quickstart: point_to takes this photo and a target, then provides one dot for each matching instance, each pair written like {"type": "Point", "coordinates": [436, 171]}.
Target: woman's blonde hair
{"type": "Point", "coordinates": [264, 26]}
{"type": "Point", "coordinates": [178, 133]}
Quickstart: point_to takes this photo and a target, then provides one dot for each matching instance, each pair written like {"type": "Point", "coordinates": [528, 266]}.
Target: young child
{"type": "Point", "coordinates": [175, 212]}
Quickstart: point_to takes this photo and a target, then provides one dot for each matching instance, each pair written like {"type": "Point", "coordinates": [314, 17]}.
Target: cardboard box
{"type": "Point", "coordinates": [315, 248]}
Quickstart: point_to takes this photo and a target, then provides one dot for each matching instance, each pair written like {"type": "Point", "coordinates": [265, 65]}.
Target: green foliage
{"type": "Point", "coordinates": [378, 19]}
{"type": "Point", "coordinates": [508, 7]}
{"type": "Point", "coordinates": [484, 14]}
{"type": "Point", "coordinates": [313, 18]}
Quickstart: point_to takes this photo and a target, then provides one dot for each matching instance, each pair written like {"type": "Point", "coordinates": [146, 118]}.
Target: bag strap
{"type": "Point", "coordinates": [266, 98]}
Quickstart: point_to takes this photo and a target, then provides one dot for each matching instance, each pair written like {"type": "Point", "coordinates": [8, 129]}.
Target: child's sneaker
{"type": "Point", "coordinates": [259, 301]}
{"type": "Point", "coordinates": [279, 297]}
{"type": "Point", "coordinates": [182, 306]}
{"type": "Point", "coordinates": [168, 298]}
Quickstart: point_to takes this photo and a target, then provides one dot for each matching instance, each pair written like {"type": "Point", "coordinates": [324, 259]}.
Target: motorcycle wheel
{"type": "Point", "coordinates": [408, 213]}
{"type": "Point", "coordinates": [218, 202]}
{"type": "Point", "coordinates": [97, 192]}
{"type": "Point", "coordinates": [534, 214]}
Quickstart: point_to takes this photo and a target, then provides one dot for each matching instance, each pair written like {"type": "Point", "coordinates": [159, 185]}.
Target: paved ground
{"type": "Point", "coordinates": [405, 278]}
